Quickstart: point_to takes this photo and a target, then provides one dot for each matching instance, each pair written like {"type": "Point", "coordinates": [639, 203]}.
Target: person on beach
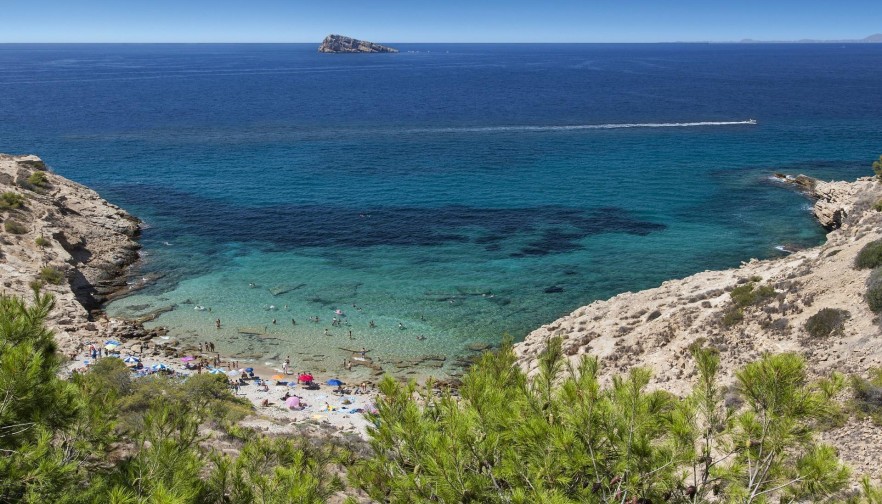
{"type": "Point", "coordinates": [363, 352]}
{"type": "Point", "coordinates": [350, 336]}
{"type": "Point", "coordinates": [217, 323]}
{"type": "Point", "coordinates": [293, 322]}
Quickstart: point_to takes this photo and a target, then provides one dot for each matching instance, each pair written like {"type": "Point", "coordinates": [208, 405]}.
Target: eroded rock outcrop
{"type": "Point", "coordinates": [341, 44]}
{"type": "Point", "coordinates": [66, 237]}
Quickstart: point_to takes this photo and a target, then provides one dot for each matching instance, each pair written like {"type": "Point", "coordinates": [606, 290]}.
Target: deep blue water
{"type": "Point", "coordinates": [464, 191]}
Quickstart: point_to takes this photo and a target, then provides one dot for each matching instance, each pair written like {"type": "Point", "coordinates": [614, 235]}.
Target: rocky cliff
{"type": "Point", "coordinates": [341, 44]}
{"type": "Point", "coordinates": [654, 328]}
{"type": "Point", "coordinates": [66, 238]}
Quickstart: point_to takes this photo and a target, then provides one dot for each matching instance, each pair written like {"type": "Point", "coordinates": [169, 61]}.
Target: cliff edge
{"type": "Point", "coordinates": [64, 237]}
{"type": "Point", "coordinates": [341, 44]}
{"type": "Point", "coordinates": [654, 328]}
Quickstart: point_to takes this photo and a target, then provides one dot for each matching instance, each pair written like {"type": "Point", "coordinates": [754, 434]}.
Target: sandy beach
{"type": "Point", "coordinates": [341, 412]}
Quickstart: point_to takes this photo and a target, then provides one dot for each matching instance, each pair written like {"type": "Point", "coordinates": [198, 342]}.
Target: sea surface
{"type": "Point", "coordinates": [450, 194]}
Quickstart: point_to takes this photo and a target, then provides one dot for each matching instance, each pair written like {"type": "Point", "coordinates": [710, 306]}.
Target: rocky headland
{"type": "Point", "coordinates": [341, 44]}
{"type": "Point", "coordinates": [654, 328]}
{"type": "Point", "coordinates": [66, 239]}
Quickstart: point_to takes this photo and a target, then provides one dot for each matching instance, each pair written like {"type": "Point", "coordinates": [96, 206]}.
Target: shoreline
{"type": "Point", "coordinates": [650, 328]}
{"type": "Point", "coordinates": [90, 244]}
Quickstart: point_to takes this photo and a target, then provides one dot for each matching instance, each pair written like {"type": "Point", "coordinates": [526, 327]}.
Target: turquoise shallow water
{"type": "Point", "coordinates": [463, 192]}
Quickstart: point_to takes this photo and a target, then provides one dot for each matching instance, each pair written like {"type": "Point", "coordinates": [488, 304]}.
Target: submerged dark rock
{"type": "Point", "coordinates": [341, 44]}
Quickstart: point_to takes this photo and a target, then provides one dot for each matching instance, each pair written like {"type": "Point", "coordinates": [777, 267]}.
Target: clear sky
{"type": "Point", "coordinates": [436, 21]}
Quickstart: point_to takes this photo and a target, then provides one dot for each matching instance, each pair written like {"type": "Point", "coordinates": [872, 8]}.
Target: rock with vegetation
{"type": "Point", "coordinates": [63, 237]}
{"type": "Point", "coordinates": [341, 44]}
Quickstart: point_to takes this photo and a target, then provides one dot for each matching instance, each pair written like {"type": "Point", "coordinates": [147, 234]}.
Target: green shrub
{"type": "Point", "coordinates": [14, 227]}
{"type": "Point", "coordinates": [867, 397]}
{"type": "Point", "coordinates": [38, 179]}
{"type": "Point", "coordinates": [749, 295]}
{"type": "Point", "coordinates": [874, 291]}
{"type": "Point", "coordinates": [11, 200]}
{"type": "Point", "coordinates": [870, 256]}
{"type": "Point", "coordinates": [51, 275]}
{"type": "Point", "coordinates": [877, 168]}
{"type": "Point", "coordinates": [826, 322]}
{"type": "Point", "coordinates": [878, 206]}
{"type": "Point", "coordinates": [42, 242]}
{"type": "Point", "coordinates": [733, 316]}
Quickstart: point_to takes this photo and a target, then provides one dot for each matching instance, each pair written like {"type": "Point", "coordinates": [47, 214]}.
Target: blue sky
{"type": "Point", "coordinates": [435, 21]}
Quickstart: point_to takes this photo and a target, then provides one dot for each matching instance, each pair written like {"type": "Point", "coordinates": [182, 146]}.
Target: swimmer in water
{"type": "Point", "coordinates": [372, 325]}
{"type": "Point", "coordinates": [401, 326]}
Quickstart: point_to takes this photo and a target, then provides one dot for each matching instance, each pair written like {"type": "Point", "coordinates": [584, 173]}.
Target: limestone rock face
{"type": "Point", "coordinates": [68, 228]}
{"type": "Point", "coordinates": [341, 44]}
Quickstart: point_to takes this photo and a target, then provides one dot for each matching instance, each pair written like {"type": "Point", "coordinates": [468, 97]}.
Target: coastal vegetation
{"type": "Point", "coordinates": [42, 241]}
{"type": "Point", "coordinates": [745, 296]}
{"type": "Point", "coordinates": [826, 322]}
{"type": "Point", "coordinates": [10, 200]}
{"type": "Point", "coordinates": [868, 395]}
{"type": "Point", "coordinates": [51, 275]}
{"type": "Point", "coordinates": [562, 435]}
{"type": "Point", "coordinates": [877, 168]}
{"type": "Point", "coordinates": [103, 437]}
{"type": "Point", "coordinates": [509, 439]}
{"type": "Point", "coordinates": [874, 290]}
{"type": "Point", "coordinates": [14, 227]}
{"type": "Point", "coordinates": [870, 256]}
{"type": "Point", "coordinates": [38, 179]}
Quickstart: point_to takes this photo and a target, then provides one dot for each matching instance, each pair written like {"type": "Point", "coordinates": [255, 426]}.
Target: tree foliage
{"type": "Point", "coordinates": [565, 437]}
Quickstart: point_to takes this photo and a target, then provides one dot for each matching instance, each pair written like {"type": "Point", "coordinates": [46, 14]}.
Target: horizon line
{"type": "Point", "coordinates": [746, 41]}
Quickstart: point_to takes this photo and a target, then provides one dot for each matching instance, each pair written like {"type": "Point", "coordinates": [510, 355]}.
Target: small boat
{"type": "Point", "coordinates": [751, 121]}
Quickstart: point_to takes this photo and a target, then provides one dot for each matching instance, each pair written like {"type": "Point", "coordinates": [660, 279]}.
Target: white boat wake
{"type": "Point", "coordinates": [575, 127]}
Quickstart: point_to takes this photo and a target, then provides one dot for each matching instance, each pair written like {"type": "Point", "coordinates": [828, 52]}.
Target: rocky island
{"type": "Point", "coordinates": [341, 44]}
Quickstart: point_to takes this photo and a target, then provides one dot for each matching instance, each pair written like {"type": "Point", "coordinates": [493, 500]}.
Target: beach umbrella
{"type": "Point", "coordinates": [305, 377]}
{"type": "Point", "coordinates": [158, 367]}
{"type": "Point", "coordinates": [131, 359]}
{"type": "Point", "coordinates": [111, 346]}
{"type": "Point", "coordinates": [334, 382]}
{"type": "Point", "coordinates": [233, 373]}
{"type": "Point", "coordinates": [188, 358]}
{"type": "Point", "coordinates": [278, 377]}
{"type": "Point", "coordinates": [249, 370]}
{"type": "Point", "coordinates": [292, 402]}
{"type": "Point", "coordinates": [112, 342]}
{"type": "Point", "coordinates": [217, 371]}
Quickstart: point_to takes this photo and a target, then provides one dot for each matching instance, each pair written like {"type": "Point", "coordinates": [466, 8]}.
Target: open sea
{"type": "Point", "coordinates": [450, 194]}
